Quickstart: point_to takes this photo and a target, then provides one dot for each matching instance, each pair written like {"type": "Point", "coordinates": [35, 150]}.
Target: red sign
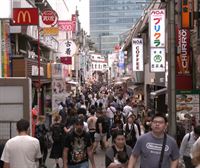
{"type": "Point", "coordinates": [184, 82]}
{"type": "Point", "coordinates": [66, 60]}
{"type": "Point", "coordinates": [183, 58]}
{"type": "Point", "coordinates": [65, 25]}
{"type": "Point", "coordinates": [49, 17]}
{"type": "Point", "coordinates": [25, 16]}
{"type": "Point", "coordinates": [73, 23]}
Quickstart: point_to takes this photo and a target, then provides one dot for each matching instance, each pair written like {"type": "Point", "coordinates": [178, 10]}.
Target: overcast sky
{"type": "Point", "coordinates": [82, 6]}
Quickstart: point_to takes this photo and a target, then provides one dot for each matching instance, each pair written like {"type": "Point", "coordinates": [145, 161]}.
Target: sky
{"type": "Point", "coordinates": [64, 14]}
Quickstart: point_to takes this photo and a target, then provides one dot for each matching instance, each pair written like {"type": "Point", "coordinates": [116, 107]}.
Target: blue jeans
{"type": "Point", "coordinates": [80, 165]}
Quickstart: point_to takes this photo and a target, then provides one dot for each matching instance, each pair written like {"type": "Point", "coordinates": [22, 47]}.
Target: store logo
{"type": "Point", "coordinates": [157, 58]}
{"type": "Point", "coordinates": [24, 15]}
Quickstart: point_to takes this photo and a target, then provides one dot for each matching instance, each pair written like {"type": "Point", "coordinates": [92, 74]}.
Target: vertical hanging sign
{"type": "Point", "coordinates": [157, 28]}
{"type": "Point", "coordinates": [157, 40]}
{"type": "Point", "coordinates": [137, 54]}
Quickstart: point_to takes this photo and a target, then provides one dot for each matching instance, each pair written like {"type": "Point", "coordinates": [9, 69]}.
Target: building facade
{"type": "Point", "coordinates": [110, 20]}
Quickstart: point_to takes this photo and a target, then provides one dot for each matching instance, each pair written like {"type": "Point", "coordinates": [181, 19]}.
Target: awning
{"type": "Point", "coordinates": [159, 92]}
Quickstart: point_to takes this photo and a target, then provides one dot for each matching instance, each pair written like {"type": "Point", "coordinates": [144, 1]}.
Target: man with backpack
{"type": "Point", "coordinates": [186, 145]}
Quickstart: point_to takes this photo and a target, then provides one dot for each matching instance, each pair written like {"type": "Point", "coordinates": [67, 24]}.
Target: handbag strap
{"type": "Point", "coordinates": [163, 150]}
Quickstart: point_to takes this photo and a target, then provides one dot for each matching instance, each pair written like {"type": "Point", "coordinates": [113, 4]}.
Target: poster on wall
{"type": "Point", "coordinates": [58, 93]}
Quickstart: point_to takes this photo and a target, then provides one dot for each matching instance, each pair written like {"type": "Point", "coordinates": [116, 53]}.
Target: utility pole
{"type": "Point", "coordinates": [172, 68]}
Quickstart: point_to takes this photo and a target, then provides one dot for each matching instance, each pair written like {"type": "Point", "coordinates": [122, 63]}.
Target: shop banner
{"type": "Point", "coordinates": [73, 23]}
{"type": "Point", "coordinates": [157, 60]}
{"type": "Point", "coordinates": [65, 71]}
{"type": "Point", "coordinates": [183, 57]}
{"type": "Point", "coordinates": [5, 49]}
{"type": "Point", "coordinates": [66, 60]}
{"type": "Point", "coordinates": [67, 48]}
{"type": "Point", "coordinates": [25, 16]}
{"type": "Point", "coordinates": [157, 28]}
{"type": "Point", "coordinates": [121, 60]}
{"type": "Point", "coordinates": [187, 13]}
{"type": "Point", "coordinates": [50, 31]}
{"type": "Point", "coordinates": [183, 82]}
{"type": "Point", "coordinates": [49, 70]}
{"type": "Point", "coordinates": [56, 70]}
{"type": "Point", "coordinates": [65, 25]}
{"type": "Point", "coordinates": [137, 54]}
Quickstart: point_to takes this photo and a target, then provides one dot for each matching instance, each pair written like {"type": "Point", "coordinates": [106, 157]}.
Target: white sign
{"type": "Point", "coordinates": [137, 54]}
{"type": "Point", "coordinates": [157, 60]}
{"type": "Point", "coordinates": [34, 71]}
{"type": "Point", "coordinates": [157, 28]}
{"type": "Point", "coordinates": [6, 9]}
{"type": "Point", "coordinates": [67, 48]}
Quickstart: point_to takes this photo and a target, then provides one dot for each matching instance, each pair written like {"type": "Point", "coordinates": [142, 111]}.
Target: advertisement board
{"type": "Point", "coordinates": [25, 16]}
{"type": "Point", "coordinates": [157, 28]}
{"type": "Point", "coordinates": [187, 106]}
{"type": "Point", "coordinates": [157, 60]}
{"type": "Point", "coordinates": [137, 54]}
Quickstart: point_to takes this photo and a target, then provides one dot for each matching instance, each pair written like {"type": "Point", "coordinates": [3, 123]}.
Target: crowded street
{"type": "Point", "coordinates": [99, 84]}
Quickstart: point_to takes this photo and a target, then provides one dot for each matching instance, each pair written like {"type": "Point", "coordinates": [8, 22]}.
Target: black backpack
{"type": "Point", "coordinates": [57, 132]}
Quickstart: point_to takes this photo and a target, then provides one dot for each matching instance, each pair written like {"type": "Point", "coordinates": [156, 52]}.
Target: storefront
{"type": "Point", "coordinates": [25, 67]}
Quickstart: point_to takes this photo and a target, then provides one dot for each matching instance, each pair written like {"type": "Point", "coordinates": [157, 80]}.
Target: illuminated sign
{"type": "Point", "coordinates": [25, 16]}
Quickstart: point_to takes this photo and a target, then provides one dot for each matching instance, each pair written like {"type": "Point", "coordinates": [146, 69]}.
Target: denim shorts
{"type": "Point", "coordinates": [80, 165]}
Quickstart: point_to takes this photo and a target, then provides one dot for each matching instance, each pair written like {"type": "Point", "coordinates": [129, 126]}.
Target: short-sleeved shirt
{"type": "Point", "coordinates": [101, 120]}
{"type": "Point", "coordinates": [110, 154]}
{"type": "Point", "coordinates": [77, 146]}
{"type": "Point", "coordinates": [21, 152]}
{"type": "Point", "coordinates": [149, 148]}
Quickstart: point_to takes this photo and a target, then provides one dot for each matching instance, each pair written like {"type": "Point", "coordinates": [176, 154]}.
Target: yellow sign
{"type": "Point", "coordinates": [23, 14]}
{"type": "Point", "coordinates": [50, 31]}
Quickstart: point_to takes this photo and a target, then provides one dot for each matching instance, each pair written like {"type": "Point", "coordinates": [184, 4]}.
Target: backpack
{"type": "Point", "coordinates": [57, 132]}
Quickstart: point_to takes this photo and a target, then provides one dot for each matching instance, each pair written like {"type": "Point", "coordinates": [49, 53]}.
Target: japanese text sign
{"type": "Point", "coordinates": [157, 28]}
{"type": "Point", "coordinates": [157, 60]}
{"type": "Point", "coordinates": [67, 48]}
{"type": "Point", "coordinates": [137, 54]}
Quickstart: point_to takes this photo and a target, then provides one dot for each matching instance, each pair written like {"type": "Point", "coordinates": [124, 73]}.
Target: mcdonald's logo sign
{"type": "Point", "coordinates": [25, 16]}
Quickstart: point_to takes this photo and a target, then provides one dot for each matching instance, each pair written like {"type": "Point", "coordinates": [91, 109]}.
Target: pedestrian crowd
{"type": "Point", "coordinates": [130, 136]}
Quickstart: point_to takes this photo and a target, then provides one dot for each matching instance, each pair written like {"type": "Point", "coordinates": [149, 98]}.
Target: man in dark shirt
{"type": "Point", "coordinates": [101, 130]}
{"type": "Point", "coordinates": [78, 148]}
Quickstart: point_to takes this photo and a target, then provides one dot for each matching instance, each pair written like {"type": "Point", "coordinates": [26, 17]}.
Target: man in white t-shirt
{"type": "Point", "coordinates": [128, 110]}
{"type": "Point", "coordinates": [22, 151]}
